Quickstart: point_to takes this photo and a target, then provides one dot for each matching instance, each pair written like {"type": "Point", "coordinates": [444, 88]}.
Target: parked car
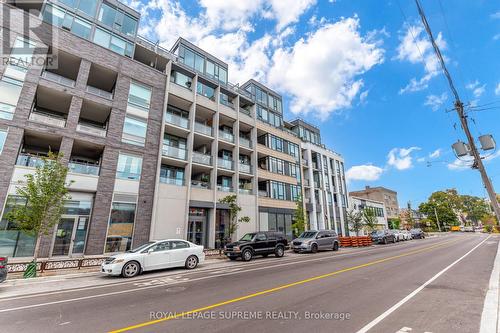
{"type": "Point", "coordinates": [397, 234]}
{"type": "Point", "coordinates": [261, 243]}
{"type": "Point", "coordinates": [417, 233]}
{"type": "Point", "coordinates": [383, 236]}
{"type": "Point", "coordinates": [406, 234]}
{"type": "Point", "coordinates": [469, 228]}
{"type": "Point", "coordinates": [314, 241]}
{"type": "Point", "coordinates": [154, 255]}
{"type": "Point", "coordinates": [3, 269]}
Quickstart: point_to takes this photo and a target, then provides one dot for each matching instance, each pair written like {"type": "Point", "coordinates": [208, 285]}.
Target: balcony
{"type": "Point", "coordinates": [226, 136]}
{"type": "Point", "coordinates": [175, 152]}
{"type": "Point", "coordinates": [29, 160]}
{"type": "Point", "coordinates": [307, 182]}
{"type": "Point", "coordinates": [172, 181]}
{"type": "Point", "coordinates": [246, 168]}
{"type": "Point", "coordinates": [176, 120]}
{"type": "Point", "coordinates": [58, 79]}
{"type": "Point", "coordinates": [201, 158]}
{"type": "Point", "coordinates": [245, 191]}
{"type": "Point", "coordinates": [226, 164]}
{"type": "Point", "coordinates": [200, 184]}
{"type": "Point", "coordinates": [305, 162]}
{"type": "Point", "coordinates": [263, 194]}
{"type": "Point", "coordinates": [91, 129]}
{"type": "Point", "coordinates": [226, 103]}
{"type": "Point", "coordinates": [246, 112]}
{"type": "Point", "coordinates": [203, 129]}
{"type": "Point", "coordinates": [99, 92]}
{"type": "Point", "coordinates": [224, 188]}
{"type": "Point", "coordinates": [84, 168]}
{"type": "Point", "coordinates": [245, 142]}
{"type": "Point", "coordinates": [47, 118]}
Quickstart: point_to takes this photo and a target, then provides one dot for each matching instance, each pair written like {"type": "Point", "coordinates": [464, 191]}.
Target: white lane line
{"type": "Point", "coordinates": [126, 291]}
{"type": "Point", "coordinates": [489, 317]}
{"type": "Point", "coordinates": [396, 306]}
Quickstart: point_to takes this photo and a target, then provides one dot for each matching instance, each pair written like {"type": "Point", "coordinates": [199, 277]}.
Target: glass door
{"type": "Point", "coordinates": [63, 237]}
{"type": "Point", "coordinates": [196, 232]}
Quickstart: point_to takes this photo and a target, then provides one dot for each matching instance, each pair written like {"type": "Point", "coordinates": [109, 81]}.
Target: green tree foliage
{"type": "Point", "coordinates": [234, 210]}
{"type": "Point", "coordinates": [44, 193]}
{"type": "Point", "coordinates": [475, 208]}
{"type": "Point", "coordinates": [299, 218]}
{"type": "Point", "coordinates": [394, 223]}
{"type": "Point", "coordinates": [369, 219]}
{"type": "Point", "coordinates": [355, 221]}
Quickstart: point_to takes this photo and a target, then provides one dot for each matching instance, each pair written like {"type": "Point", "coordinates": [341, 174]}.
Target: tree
{"type": "Point", "coordinates": [299, 218]}
{"type": "Point", "coordinates": [446, 204]}
{"type": "Point", "coordinates": [44, 194]}
{"type": "Point", "coordinates": [234, 221]}
{"type": "Point", "coordinates": [355, 221]}
{"type": "Point", "coordinates": [369, 219]}
{"type": "Point", "coordinates": [474, 207]}
{"type": "Point", "coordinates": [394, 223]}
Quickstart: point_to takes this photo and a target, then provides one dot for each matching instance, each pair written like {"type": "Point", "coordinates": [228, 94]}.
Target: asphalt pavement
{"type": "Point", "coordinates": [432, 285]}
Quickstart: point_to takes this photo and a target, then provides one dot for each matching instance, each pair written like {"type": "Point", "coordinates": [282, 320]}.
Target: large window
{"type": "Point", "coordinates": [202, 65]}
{"type": "Point", "coordinates": [181, 79]}
{"type": "Point", "coordinates": [117, 20]}
{"type": "Point", "coordinates": [134, 131]}
{"type": "Point", "coordinates": [129, 167]}
{"type": "Point", "coordinates": [3, 137]}
{"type": "Point", "coordinates": [139, 96]}
{"type": "Point", "coordinates": [172, 175]}
{"type": "Point", "coordinates": [62, 18]}
{"type": "Point", "coordinates": [207, 91]}
{"type": "Point", "coordinates": [113, 42]}
{"type": "Point", "coordinates": [10, 90]}
{"type": "Point", "coordinates": [85, 6]}
{"type": "Point", "coordinates": [120, 227]}
{"type": "Point", "coordinates": [14, 242]}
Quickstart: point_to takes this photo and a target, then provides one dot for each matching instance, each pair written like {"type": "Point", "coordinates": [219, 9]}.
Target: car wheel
{"type": "Point", "coordinates": [247, 255]}
{"type": "Point", "coordinates": [385, 241]}
{"type": "Point", "coordinates": [314, 248]}
{"type": "Point", "coordinates": [335, 246]}
{"type": "Point", "coordinates": [131, 269]}
{"type": "Point", "coordinates": [191, 262]}
{"type": "Point", "coordinates": [279, 251]}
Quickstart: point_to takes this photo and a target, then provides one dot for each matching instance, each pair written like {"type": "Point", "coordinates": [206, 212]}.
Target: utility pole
{"type": "Point", "coordinates": [437, 219]}
{"type": "Point", "coordinates": [459, 107]}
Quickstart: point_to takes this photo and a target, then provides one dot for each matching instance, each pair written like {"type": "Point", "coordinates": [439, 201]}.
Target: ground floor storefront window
{"type": "Point", "coordinates": [120, 227]}
{"type": "Point", "coordinates": [198, 226]}
{"type": "Point", "coordinates": [221, 228]}
{"type": "Point", "coordinates": [277, 221]}
{"type": "Point", "coordinates": [14, 243]}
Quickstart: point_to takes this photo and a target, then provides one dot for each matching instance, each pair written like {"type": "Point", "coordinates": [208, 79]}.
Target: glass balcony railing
{"type": "Point", "coordinates": [200, 184]}
{"type": "Point", "coordinates": [128, 175]}
{"type": "Point", "coordinates": [245, 191]}
{"type": "Point", "coordinates": [172, 181]}
{"type": "Point", "coordinates": [84, 168]}
{"type": "Point", "coordinates": [176, 120]}
{"type": "Point", "coordinates": [226, 136]}
{"type": "Point", "coordinates": [263, 194]}
{"type": "Point", "coordinates": [224, 188]}
{"type": "Point", "coordinates": [225, 164]}
{"type": "Point", "coordinates": [58, 79]}
{"type": "Point", "coordinates": [99, 92]}
{"type": "Point", "coordinates": [227, 103]}
{"type": "Point", "coordinates": [47, 118]}
{"type": "Point", "coordinates": [29, 160]}
{"type": "Point", "coordinates": [200, 158]}
{"type": "Point", "coordinates": [203, 129]}
{"type": "Point", "coordinates": [175, 152]}
{"type": "Point", "coordinates": [91, 129]}
{"type": "Point", "coordinates": [245, 111]}
{"type": "Point", "coordinates": [246, 168]}
{"type": "Point", "coordinates": [245, 142]}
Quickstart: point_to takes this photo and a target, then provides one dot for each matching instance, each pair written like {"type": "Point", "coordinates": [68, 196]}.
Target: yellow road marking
{"type": "Point", "coordinates": [268, 291]}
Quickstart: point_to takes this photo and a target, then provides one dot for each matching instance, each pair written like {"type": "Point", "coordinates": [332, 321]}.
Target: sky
{"type": "Point", "coordinates": [364, 72]}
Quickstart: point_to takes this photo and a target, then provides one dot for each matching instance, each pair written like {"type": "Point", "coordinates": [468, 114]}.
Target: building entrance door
{"type": "Point", "coordinates": [64, 235]}
{"type": "Point", "coordinates": [197, 226]}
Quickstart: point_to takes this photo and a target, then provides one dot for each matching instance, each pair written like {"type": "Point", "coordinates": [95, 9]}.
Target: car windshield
{"type": "Point", "coordinates": [247, 237]}
{"type": "Point", "coordinates": [378, 232]}
{"type": "Point", "coordinates": [308, 234]}
{"type": "Point", "coordinates": [140, 248]}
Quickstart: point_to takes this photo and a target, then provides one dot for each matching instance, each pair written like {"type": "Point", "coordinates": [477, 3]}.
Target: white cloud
{"type": "Point", "coordinates": [415, 48]}
{"type": "Point", "coordinates": [363, 96]}
{"type": "Point", "coordinates": [435, 154]}
{"type": "Point", "coordinates": [466, 162]}
{"type": "Point", "coordinates": [497, 89]}
{"type": "Point", "coordinates": [421, 159]}
{"type": "Point", "coordinates": [401, 158]}
{"type": "Point", "coordinates": [476, 88]}
{"type": "Point", "coordinates": [435, 101]}
{"type": "Point", "coordinates": [321, 71]}
{"type": "Point", "coordinates": [365, 172]}
{"type": "Point", "coordinates": [288, 11]}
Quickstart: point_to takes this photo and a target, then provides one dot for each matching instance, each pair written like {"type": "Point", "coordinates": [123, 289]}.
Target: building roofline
{"type": "Point", "coordinates": [365, 199]}
{"type": "Point", "coordinates": [261, 85]}
{"type": "Point", "coordinates": [184, 41]}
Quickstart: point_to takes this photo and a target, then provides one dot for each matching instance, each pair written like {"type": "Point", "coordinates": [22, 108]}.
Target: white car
{"type": "Point", "coordinates": [397, 234]}
{"type": "Point", "coordinates": [406, 235]}
{"type": "Point", "coordinates": [154, 255]}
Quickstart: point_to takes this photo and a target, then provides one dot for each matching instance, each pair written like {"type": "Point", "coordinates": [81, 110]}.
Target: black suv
{"type": "Point", "coordinates": [261, 243]}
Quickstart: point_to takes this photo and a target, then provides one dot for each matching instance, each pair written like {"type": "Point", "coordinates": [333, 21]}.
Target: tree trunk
{"type": "Point", "coordinates": [37, 246]}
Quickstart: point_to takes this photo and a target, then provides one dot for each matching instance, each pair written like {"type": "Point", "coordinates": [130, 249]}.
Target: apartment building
{"type": "Point", "coordinates": [153, 138]}
{"type": "Point", "coordinates": [387, 196]}
{"type": "Point", "coordinates": [325, 190]}
{"type": "Point", "coordinates": [376, 207]}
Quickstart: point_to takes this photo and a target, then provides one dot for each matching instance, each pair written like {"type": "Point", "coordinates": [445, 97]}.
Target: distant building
{"type": "Point", "coordinates": [379, 193]}
{"type": "Point", "coordinates": [411, 221]}
{"type": "Point", "coordinates": [378, 207]}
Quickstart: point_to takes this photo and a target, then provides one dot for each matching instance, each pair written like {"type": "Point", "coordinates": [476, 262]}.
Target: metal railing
{"type": "Point", "coordinates": [226, 164]}
{"type": "Point", "coordinates": [84, 168]}
{"type": "Point", "coordinates": [200, 184]}
{"type": "Point", "coordinates": [47, 118]}
{"type": "Point", "coordinates": [99, 92]}
{"type": "Point", "coordinates": [246, 168]}
{"type": "Point", "coordinates": [176, 120]}
{"type": "Point", "coordinates": [29, 160]}
{"type": "Point", "coordinates": [58, 79]}
{"type": "Point", "coordinates": [226, 136]}
{"type": "Point", "coordinates": [203, 129]}
{"type": "Point", "coordinates": [245, 142]}
{"type": "Point", "coordinates": [225, 188]}
{"type": "Point", "coordinates": [91, 129]}
{"type": "Point", "coordinates": [172, 181]}
{"type": "Point", "coordinates": [202, 158]}
{"type": "Point", "coordinates": [175, 152]}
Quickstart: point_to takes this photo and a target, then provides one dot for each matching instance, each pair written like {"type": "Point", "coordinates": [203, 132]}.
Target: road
{"type": "Point", "coordinates": [432, 285]}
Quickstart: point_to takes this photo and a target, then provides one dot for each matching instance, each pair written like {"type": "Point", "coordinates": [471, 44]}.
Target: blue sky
{"type": "Point", "coordinates": [362, 71]}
